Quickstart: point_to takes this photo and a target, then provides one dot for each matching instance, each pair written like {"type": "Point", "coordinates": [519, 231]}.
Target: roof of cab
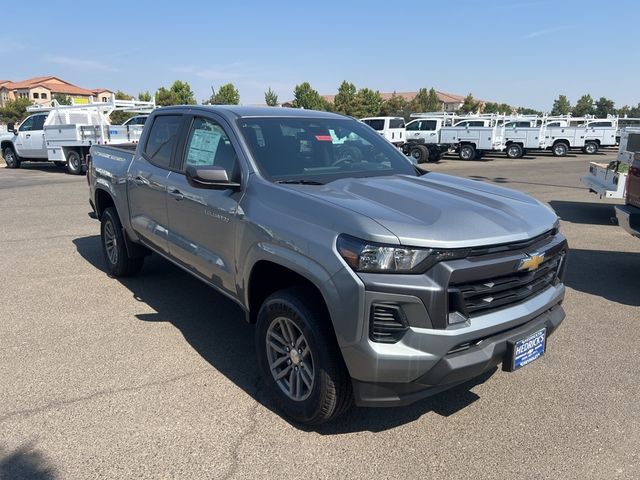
{"type": "Point", "coordinates": [241, 111]}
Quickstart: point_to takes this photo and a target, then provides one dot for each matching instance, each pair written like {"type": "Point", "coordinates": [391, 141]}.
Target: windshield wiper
{"type": "Point", "coordinates": [299, 182]}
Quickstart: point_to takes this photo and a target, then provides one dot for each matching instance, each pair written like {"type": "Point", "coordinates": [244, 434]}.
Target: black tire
{"type": "Point", "coordinates": [330, 393]}
{"type": "Point", "coordinates": [11, 157]}
{"type": "Point", "coordinates": [74, 163]}
{"type": "Point", "coordinates": [112, 235]}
{"type": "Point", "coordinates": [434, 155]}
{"type": "Point", "coordinates": [467, 152]}
{"type": "Point", "coordinates": [560, 149]}
{"type": "Point", "coordinates": [419, 153]}
{"type": "Point", "coordinates": [514, 151]}
{"type": "Point", "coordinates": [590, 148]}
{"type": "Point", "coordinates": [479, 154]}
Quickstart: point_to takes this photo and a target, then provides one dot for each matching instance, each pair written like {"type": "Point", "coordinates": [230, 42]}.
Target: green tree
{"type": "Point", "coordinates": [118, 117]}
{"type": "Point", "coordinates": [368, 103]}
{"type": "Point", "coordinates": [528, 111]}
{"type": "Point", "coordinates": [604, 107]}
{"type": "Point", "coordinates": [561, 106]}
{"type": "Point", "coordinates": [345, 101]}
{"type": "Point", "coordinates": [227, 95]}
{"type": "Point", "coordinates": [165, 97]}
{"type": "Point", "coordinates": [306, 97]}
{"type": "Point", "coordinates": [584, 106]}
{"type": "Point", "coordinates": [396, 106]}
{"type": "Point", "coordinates": [14, 111]}
{"type": "Point", "coordinates": [491, 107]}
{"type": "Point", "coordinates": [426, 101]}
{"type": "Point", "coordinates": [61, 99]}
{"type": "Point", "coordinates": [179, 93]}
{"type": "Point", "coordinates": [144, 96]}
{"type": "Point", "coordinates": [624, 111]}
{"type": "Point", "coordinates": [271, 98]}
{"type": "Point", "coordinates": [469, 105]}
{"type": "Point", "coordinates": [505, 108]}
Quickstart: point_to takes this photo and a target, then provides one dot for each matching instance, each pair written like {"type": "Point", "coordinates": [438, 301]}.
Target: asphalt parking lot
{"type": "Point", "coordinates": [155, 377]}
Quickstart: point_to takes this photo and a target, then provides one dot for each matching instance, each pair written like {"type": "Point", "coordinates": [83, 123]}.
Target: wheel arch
{"type": "Point", "coordinates": [268, 276]}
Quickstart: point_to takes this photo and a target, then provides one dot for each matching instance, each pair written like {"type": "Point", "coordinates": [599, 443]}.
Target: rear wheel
{"type": "Point", "coordinates": [467, 152]}
{"type": "Point", "coordinates": [11, 158]}
{"type": "Point", "coordinates": [514, 151]}
{"type": "Point", "coordinates": [560, 149]}
{"type": "Point", "coordinates": [74, 163]}
{"type": "Point", "coordinates": [299, 357]}
{"type": "Point", "coordinates": [419, 153]}
{"type": "Point", "coordinates": [590, 148]}
{"type": "Point", "coordinates": [114, 248]}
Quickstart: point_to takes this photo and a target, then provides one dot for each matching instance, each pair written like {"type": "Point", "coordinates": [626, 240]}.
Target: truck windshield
{"type": "Point", "coordinates": [311, 150]}
{"type": "Point", "coordinates": [375, 123]}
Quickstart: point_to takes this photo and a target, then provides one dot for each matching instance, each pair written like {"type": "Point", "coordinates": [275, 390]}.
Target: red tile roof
{"type": "Point", "coordinates": [54, 84]}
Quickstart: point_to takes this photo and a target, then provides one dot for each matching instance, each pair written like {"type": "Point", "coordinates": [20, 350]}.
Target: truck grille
{"type": "Point", "coordinates": [482, 297]}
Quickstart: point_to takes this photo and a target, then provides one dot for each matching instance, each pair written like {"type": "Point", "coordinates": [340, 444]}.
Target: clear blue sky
{"type": "Point", "coordinates": [523, 52]}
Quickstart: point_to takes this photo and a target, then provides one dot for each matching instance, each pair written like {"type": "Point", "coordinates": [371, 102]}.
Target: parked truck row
{"type": "Point", "coordinates": [429, 135]}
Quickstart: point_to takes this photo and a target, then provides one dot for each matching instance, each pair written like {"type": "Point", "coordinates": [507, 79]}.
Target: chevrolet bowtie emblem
{"type": "Point", "coordinates": [532, 262]}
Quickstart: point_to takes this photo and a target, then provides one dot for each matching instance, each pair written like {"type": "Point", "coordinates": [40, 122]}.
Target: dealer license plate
{"type": "Point", "coordinates": [528, 349]}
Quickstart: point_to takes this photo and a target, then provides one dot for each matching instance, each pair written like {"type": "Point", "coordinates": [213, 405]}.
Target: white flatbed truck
{"type": "Point", "coordinates": [63, 134]}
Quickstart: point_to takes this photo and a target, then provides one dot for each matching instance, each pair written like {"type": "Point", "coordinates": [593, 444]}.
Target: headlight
{"type": "Point", "coordinates": [371, 257]}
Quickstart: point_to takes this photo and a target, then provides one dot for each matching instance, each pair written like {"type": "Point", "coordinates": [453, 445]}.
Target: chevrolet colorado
{"type": "Point", "coordinates": [368, 279]}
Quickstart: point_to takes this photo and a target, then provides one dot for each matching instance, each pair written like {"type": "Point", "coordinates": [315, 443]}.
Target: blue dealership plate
{"type": "Point", "coordinates": [528, 349]}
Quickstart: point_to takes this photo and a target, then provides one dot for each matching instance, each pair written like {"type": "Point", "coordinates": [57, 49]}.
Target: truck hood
{"type": "Point", "coordinates": [441, 211]}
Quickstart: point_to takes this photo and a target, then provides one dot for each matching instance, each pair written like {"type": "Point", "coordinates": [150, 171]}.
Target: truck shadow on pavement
{"type": "Point", "coordinates": [214, 326]}
{"type": "Point", "coordinates": [25, 463]}
{"type": "Point", "coordinates": [590, 213]}
{"type": "Point", "coordinates": [46, 167]}
{"type": "Point", "coordinates": [611, 275]}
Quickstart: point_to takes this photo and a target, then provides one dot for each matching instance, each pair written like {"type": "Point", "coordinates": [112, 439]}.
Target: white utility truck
{"type": "Point", "coordinates": [63, 134]}
{"type": "Point", "coordinates": [589, 136]}
{"type": "Point", "coordinates": [431, 134]}
{"type": "Point", "coordinates": [391, 128]}
{"type": "Point", "coordinates": [609, 180]}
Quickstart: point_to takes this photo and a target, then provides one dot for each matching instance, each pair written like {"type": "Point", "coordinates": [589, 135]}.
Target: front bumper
{"type": "Point", "coordinates": [454, 368]}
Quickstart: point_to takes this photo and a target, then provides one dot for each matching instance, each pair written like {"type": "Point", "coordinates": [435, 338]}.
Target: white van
{"type": "Point", "coordinates": [391, 128]}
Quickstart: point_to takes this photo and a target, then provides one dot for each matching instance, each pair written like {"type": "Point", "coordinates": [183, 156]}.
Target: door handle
{"type": "Point", "coordinates": [28, 135]}
{"type": "Point", "coordinates": [138, 180]}
{"type": "Point", "coordinates": [177, 194]}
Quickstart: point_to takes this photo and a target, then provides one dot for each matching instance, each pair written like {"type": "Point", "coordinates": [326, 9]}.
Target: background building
{"type": "Point", "coordinates": [41, 90]}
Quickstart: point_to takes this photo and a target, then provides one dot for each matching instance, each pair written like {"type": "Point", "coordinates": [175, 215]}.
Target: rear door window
{"type": "Point", "coordinates": [38, 122]}
{"type": "Point", "coordinates": [162, 140]}
{"type": "Point", "coordinates": [428, 125]}
{"type": "Point", "coordinates": [396, 123]}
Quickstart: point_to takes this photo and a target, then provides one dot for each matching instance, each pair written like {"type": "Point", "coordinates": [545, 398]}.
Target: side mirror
{"type": "Point", "coordinates": [212, 177]}
{"type": "Point", "coordinates": [11, 127]}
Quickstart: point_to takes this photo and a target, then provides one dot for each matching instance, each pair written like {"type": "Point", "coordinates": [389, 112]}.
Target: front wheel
{"type": "Point", "coordinates": [299, 357]}
{"type": "Point", "coordinates": [114, 248]}
{"type": "Point", "coordinates": [74, 163]}
{"type": "Point", "coordinates": [514, 151]}
{"type": "Point", "coordinates": [467, 152]}
{"type": "Point", "coordinates": [11, 158]}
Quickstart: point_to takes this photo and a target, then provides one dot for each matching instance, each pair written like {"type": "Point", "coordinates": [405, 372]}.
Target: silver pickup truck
{"type": "Point", "coordinates": [368, 280]}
